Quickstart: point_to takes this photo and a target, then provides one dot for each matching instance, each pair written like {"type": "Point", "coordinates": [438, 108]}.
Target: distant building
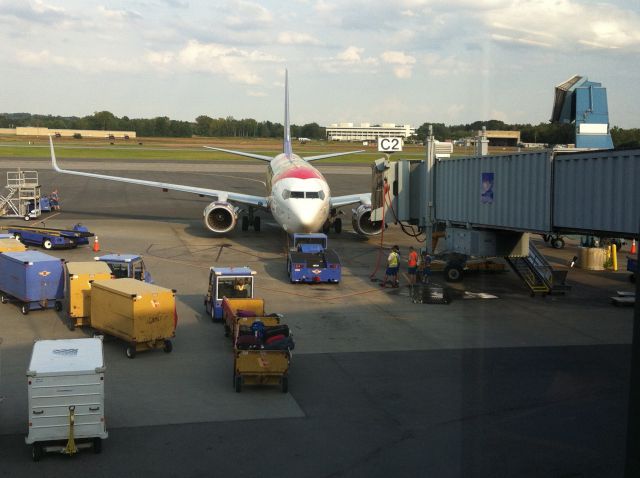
{"type": "Point", "coordinates": [366, 132]}
{"type": "Point", "coordinates": [85, 133]}
{"type": "Point", "coordinates": [502, 138]}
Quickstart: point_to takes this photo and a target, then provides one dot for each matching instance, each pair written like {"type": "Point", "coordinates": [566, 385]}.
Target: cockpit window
{"type": "Point", "coordinates": [286, 194]}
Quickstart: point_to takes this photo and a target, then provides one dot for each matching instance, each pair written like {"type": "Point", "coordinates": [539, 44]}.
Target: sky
{"type": "Point", "coordinates": [403, 62]}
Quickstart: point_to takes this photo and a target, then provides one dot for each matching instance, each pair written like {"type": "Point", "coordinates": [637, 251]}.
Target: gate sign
{"type": "Point", "coordinates": [389, 145]}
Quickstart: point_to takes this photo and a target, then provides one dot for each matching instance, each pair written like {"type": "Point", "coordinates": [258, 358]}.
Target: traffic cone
{"type": "Point", "coordinates": [633, 246]}
{"type": "Point", "coordinates": [96, 244]}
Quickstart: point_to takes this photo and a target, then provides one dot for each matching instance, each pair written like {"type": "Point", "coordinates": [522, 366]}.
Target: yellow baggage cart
{"type": "Point", "coordinates": [259, 366]}
{"type": "Point", "coordinates": [11, 245]}
{"type": "Point", "coordinates": [78, 279]}
{"type": "Point", "coordinates": [142, 314]}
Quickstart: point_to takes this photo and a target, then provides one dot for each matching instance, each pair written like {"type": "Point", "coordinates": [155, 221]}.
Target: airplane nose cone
{"type": "Point", "coordinates": [309, 216]}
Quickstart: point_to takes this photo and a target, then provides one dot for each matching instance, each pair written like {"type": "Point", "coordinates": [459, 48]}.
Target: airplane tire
{"type": "Point", "coordinates": [337, 225]}
{"type": "Point", "coordinates": [557, 243]}
{"type": "Point", "coordinates": [256, 223]}
{"type": "Point", "coordinates": [245, 223]}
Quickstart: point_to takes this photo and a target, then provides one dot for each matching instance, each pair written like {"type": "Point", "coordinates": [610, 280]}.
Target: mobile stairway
{"type": "Point", "coordinates": [22, 197]}
{"type": "Point", "coordinates": [537, 274]}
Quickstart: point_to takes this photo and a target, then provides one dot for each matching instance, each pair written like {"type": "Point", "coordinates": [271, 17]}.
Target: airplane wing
{"type": "Point", "coordinates": [331, 155]}
{"type": "Point", "coordinates": [258, 201]}
{"type": "Point", "coordinates": [242, 153]}
{"type": "Point", "coordinates": [339, 201]}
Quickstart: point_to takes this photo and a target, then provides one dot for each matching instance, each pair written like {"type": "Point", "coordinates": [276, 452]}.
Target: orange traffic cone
{"type": "Point", "coordinates": [96, 244]}
{"type": "Point", "coordinates": [633, 246]}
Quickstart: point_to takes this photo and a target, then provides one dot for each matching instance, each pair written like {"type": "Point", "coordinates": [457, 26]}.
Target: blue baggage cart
{"type": "Point", "coordinates": [33, 279]}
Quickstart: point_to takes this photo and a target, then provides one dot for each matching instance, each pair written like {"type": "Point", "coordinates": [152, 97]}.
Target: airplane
{"type": "Point", "coordinates": [297, 194]}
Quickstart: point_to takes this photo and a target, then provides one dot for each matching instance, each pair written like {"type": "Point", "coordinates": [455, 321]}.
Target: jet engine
{"type": "Point", "coordinates": [220, 217]}
{"type": "Point", "coordinates": [362, 223]}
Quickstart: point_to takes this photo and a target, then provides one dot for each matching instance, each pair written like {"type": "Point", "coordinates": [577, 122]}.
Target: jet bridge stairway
{"type": "Point", "coordinates": [537, 274]}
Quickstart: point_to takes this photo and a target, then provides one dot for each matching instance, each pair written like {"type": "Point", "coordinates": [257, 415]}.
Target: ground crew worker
{"type": "Point", "coordinates": [425, 267]}
{"type": "Point", "coordinates": [412, 263]}
{"type": "Point", "coordinates": [393, 264]}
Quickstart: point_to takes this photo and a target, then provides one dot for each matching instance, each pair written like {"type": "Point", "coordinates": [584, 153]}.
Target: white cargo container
{"type": "Point", "coordinates": [66, 396]}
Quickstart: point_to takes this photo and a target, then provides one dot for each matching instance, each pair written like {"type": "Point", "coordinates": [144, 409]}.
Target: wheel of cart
{"type": "Point", "coordinates": [131, 350]}
{"type": "Point", "coordinates": [36, 451]}
{"type": "Point", "coordinates": [25, 309]}
{"type": "Point", "coordinates": [4, 299]}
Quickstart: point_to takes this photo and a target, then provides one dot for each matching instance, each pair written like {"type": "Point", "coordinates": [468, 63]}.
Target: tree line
{"type": "Point", "coordinates": [203, 125]}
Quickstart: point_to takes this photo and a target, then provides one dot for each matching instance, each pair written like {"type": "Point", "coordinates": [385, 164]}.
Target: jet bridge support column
{"type": "Point", "coordinates": [427, 191]}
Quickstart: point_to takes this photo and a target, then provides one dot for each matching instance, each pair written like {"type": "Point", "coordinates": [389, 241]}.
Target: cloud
{"type": "Point", "coordinates": [402, 63]}
{"type": "Point", "coordinates": [231, 62]}
{"type": "Point", "coordinates": [33, 12]}
{"type": "Point", "coordinates": [565, 24]}
{"type": "Point", "coordinates": [296, 38]}
{"type": "Point", "coordinates": [248, 15]}
{"type": "Point", "coordinates": [99, 64]}
{"type": "Point", "coordinates": [118, 15]}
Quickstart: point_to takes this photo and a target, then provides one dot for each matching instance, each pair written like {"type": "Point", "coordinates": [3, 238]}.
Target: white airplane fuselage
{"type": "Point", "coordinates": [298, 194]}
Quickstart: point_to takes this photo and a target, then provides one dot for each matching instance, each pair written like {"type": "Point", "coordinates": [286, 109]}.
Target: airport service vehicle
{"type": "Point", "coordinates": [143, 315]}
{"type": "Point", "coordinates": [310, 261]}
{"type": "Point", "coordinates": [65, 382]}
{"type": "Point", "coordinates": [127, 265]}
{"type": "Point", "coordinates": [230, 282]}
{"type": "Point", "coordinates": [50, 238]}
{"type": "Point", "coordinates": [297, 194]}
{"type": "Point", "coordinates": [33, 279]}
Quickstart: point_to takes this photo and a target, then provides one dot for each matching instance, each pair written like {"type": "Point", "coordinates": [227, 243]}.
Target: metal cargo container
{"type": "Point", "coordinates": [511, 191]}
{"type": "Point", "coordinates": [32, 278]}
{"type": "Point", "coordinates": [597, 192]}
{"type": "Point", "coordinates": [11, 245]}
{"type": "Point", "coordinates": [65, 383]}
{"type": "Point", "coordinates": [79, 276]}
{"type": "Point", "coordinates": [142, 314]}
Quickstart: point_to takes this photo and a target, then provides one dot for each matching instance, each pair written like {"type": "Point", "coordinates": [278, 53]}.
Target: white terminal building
{"type": "Point", "coordinates": [367, 132]}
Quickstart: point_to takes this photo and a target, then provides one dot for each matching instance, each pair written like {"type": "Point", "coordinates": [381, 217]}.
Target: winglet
{"type": "Point", "coordinates": [54, 163]}
{"type": "Point", "coordinates": [287, 150]}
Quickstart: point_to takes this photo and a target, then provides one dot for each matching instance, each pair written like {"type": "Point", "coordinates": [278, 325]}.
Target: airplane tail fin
{"type": "Point", "coordinates": [287, 126]}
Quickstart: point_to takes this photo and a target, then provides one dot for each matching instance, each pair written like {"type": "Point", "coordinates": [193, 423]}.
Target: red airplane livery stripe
{"type": "Point", "coordinates": [300, 173]}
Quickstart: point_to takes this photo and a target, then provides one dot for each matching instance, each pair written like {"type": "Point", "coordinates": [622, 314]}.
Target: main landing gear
{"type": "Point", "coordinates": [333, 222]}
{"type": "Point", "coordinates": [249, 219]}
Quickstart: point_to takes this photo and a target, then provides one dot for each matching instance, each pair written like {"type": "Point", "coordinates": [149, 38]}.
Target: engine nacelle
{"type": "Point", "coordinates": [362, 223]}
{"type": "Point", "coordinates": [220, 217]}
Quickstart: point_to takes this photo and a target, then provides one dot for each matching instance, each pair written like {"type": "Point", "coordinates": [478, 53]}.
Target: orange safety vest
{"type": "Point", "coordinates": [413, 259]}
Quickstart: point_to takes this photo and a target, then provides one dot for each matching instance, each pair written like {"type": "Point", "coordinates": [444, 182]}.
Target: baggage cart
{"type": "Point", "coordinates": [143, 315]}
{"type": "Point", "coordinates": [33, 279]}
{"type": "Point", "coordinates": [78, 279]}
{"type": "Point", "coordinates": [11, 245]}
{"type": "Point", "coordinates": [65, 383]}
{"type": "Point", "coordinates": [257, 365]}
{"type": "Point", "coordinates": [232, 309]}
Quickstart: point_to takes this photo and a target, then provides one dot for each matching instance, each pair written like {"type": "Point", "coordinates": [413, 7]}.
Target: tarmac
{"type": "Point", "coordinates": [379, 386]}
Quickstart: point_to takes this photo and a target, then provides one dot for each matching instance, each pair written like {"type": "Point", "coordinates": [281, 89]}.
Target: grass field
{"type": "Point", "coordinates": [191, 149]}
{"type": "Point", "coordinates": [187, 149]}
